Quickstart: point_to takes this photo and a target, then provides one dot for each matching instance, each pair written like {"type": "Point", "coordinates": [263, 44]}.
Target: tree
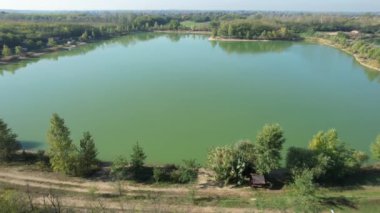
{"type": "Point", "coordinates": [375, 148]}
{"type": "Point", "coordinates": [268, 148]}
{"type": "Point", "coordinates": [137, 157]}
{"type": "Point", "coordinates": [51, 42]}
{"type": "Point", "coordinates": [8, 143]}
{"type": "Point", "coordinates": [6, 51]}
{"type": "Point", "coordinates": [230, 31]}
{"type": "Point", "coordinates": [18, 50]}
{"type": "Point", "coordinates": [174, 24]}
{"type": "Point", "coordinates": [84, 36]}
{"type": "Point", "coordinates": [61, 150]}
{"type": "Point", "coordinates": [87, 155]}
{"type": "Point", "coordinates": [335, 160]}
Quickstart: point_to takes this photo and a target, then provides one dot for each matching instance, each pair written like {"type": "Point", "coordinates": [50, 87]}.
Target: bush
{"type": "Point", "coordinates": [164, 174]}
{"type": "Point", "coordinates": [119, 168]}
{"type": "Point", "coordinates": [232, 164]}
{"type": "Point", "coordinates": [303, 190]}
{"type": "Point", "coordinates": [186, 173]}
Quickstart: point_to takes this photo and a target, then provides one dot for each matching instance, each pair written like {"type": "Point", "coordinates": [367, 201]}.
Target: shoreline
{"type": "Point", "coordinates": [327, 42]}
{"type": "Point", "coordinates": [37, 54]}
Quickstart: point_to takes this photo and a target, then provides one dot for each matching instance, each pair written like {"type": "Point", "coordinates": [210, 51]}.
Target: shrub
{"type": "Point", "coordinates": [186, 173]}
{"type": "Point", "coordinates": [164, 174]}
{"type": "Point", "coordinates": [232, 164]}
{"type": "Point", "coordinates": [303, 190]}
{"type": "Point", "coordinates": [220, 160]}
{"type": "Point", "coordinates": [119, 168]}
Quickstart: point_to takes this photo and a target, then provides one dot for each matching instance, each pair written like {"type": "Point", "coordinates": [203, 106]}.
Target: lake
{"type": "Point", "coordinates": [180, 95]}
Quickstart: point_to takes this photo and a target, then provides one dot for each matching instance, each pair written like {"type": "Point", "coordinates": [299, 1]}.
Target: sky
{"type": "Point", "coordinates": [272, 5]}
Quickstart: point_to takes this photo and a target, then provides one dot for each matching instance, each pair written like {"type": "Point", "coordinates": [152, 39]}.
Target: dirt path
{"type": "Point", "coordinates": [81, 199]}
{"type": "Point", "coordinates": [48, 180]}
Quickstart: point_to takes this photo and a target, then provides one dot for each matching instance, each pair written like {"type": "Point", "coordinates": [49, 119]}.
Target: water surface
{"type": "Point", "coordinates": [179, 95]}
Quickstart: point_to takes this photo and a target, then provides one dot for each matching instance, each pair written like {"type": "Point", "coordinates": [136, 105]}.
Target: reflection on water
{"type": "Point", "coordinates": [228, 47]}
{"type": "Point", "coordinates": [125, 41]}
{"type": "Point", "coordinates": [372, 75]}
{"type": "Point", "coordinates": [251, 47]}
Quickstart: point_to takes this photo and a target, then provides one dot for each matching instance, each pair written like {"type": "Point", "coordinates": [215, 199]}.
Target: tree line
{"type": "Point", "coordinates": [20, 32]}
{"type": "Point", "coordinates": [327, 157]}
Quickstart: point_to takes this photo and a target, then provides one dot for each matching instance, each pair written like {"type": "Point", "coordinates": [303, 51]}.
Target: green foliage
{"type": "Point", "coordinates": [188, 172]}
{"type": "Point", "coordinates": [232, 164]}
{"type": "Point", "coordinates": [62, 152]}
{"type": "Point", "coordinates": [253, 29]}
{"type": "Point", "coordinates": [18, 50]}
{"type": "Point", "coordinates": [375, 148]}
{"type": "Point", "coordinates": [164, 174]}
{"type": "Point", "coordinates": [300, 158]}
{"type": "Point", "coordinates": [335, 160]}
{"type": "Point", "coordinates": [268, 148]}
{"type": "Point", "coordinates": [137, 157]}
{"type": "Point", "coordinates": [119, 168]}
{"type": "Point", "coordinates": [8, 143]}
{"type": "Point", "coordinates": [174, 24]}
{"type": "Point", "coordinates": [220, 160]}
{"type": "Point", "coordinates": [84, 36]}
{"type": "Point", "coordinates": [6, 51]}
{"type": "Point", "coordinates": [51, 42]}
{"type": "Point", "coordinates": [14, 202]}
{"type": "Point", "coordinates": [303, 190]}
{"type": "Point", "coordinates": [87, 155]}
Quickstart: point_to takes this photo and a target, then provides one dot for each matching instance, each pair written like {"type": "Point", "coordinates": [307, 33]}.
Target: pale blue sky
{"type": "Point", "coordinates": [294, 5]}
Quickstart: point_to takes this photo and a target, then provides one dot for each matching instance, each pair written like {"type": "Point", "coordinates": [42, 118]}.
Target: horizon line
{"type": "Point", "coordinates": [182, 10]}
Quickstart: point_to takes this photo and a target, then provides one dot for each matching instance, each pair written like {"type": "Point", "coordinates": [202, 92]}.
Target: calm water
{"type": "Point", "coordinates": [180, 95]}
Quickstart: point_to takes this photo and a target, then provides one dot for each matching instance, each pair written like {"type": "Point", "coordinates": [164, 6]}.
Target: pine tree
{"type": "Point", "coordinates": [87, 155]}
{"type": "Point", "coordinates": [62, 151]}
{"type": "Point", "coordinates": [137, 157]}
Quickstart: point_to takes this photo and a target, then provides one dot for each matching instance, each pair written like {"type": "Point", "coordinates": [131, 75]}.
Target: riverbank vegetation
{"type": "Point", "coordinates": [23, 34]}
{"type": "Point", "coordinates": [327, 163]}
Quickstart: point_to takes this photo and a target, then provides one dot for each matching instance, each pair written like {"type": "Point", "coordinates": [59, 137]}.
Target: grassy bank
{"type": "Point", "coordinates": [371, 64]}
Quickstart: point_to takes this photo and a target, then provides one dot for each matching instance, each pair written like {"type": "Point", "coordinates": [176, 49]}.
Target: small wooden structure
{"type": "Point", "coordinates": [258, 181]}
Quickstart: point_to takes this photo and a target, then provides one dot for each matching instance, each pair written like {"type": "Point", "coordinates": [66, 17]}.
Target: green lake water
{"type": "Point", "coordinates": [179, 95]}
